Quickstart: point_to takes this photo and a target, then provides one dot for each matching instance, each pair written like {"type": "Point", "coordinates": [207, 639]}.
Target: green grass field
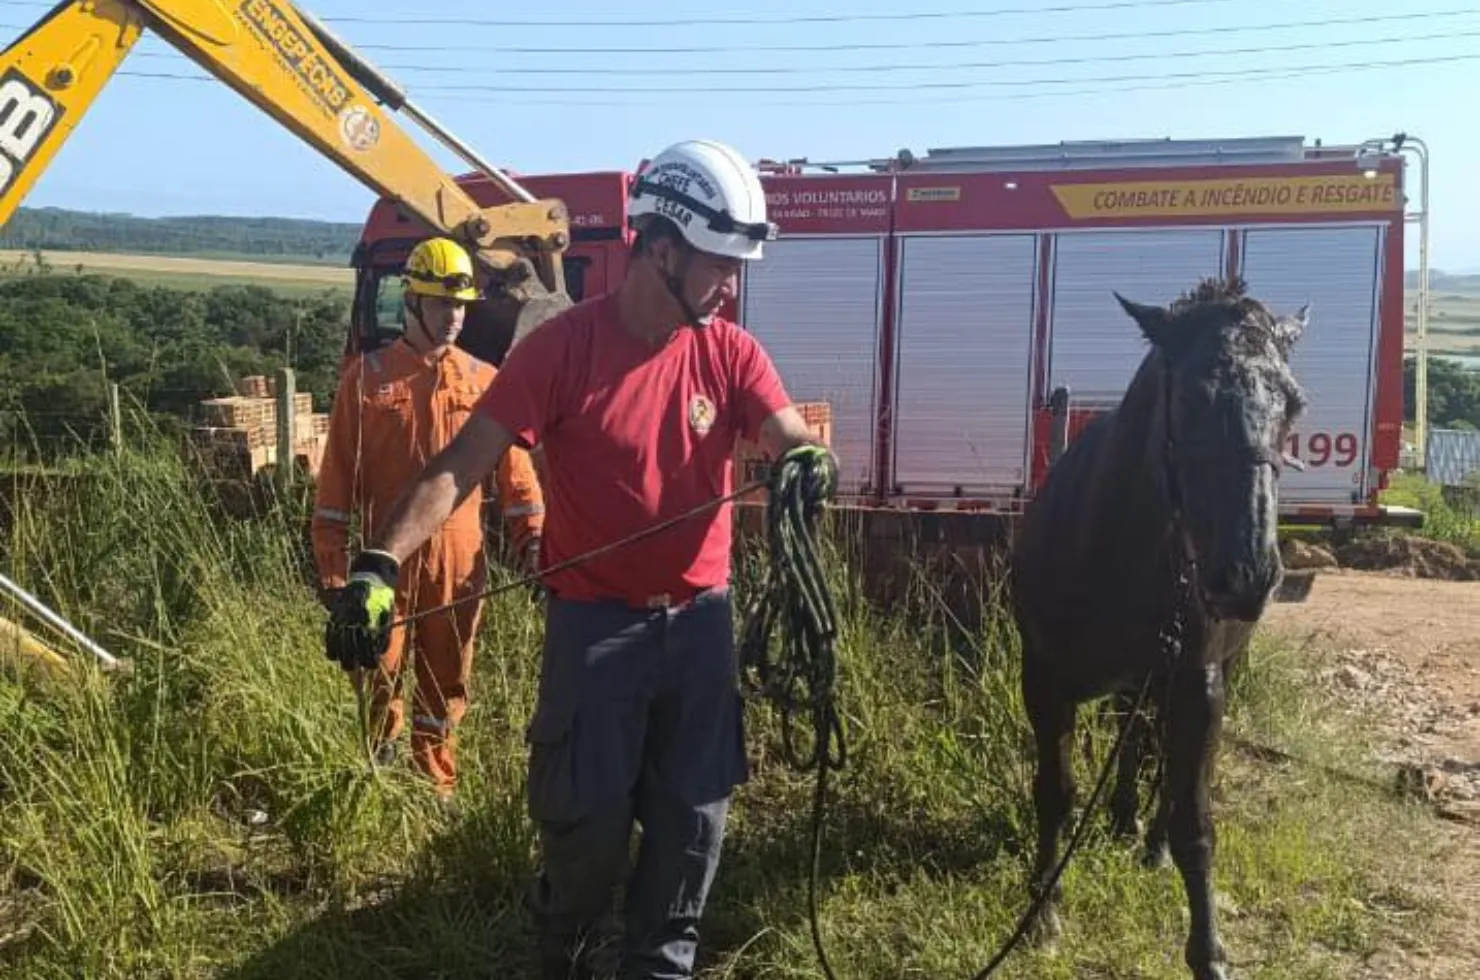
{"type": "Point", "coordinates": [1454, 316]}
{"type": "Point", "coordinates": [211, 813]}
{"type": "Point", "coordinates": [191, 273]}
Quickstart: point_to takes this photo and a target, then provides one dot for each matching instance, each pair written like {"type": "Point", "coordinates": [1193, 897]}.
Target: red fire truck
{"type": "Point", "coordinates": [937, 303]}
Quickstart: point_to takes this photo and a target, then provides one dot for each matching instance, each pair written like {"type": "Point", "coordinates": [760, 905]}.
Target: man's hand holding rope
{"type": "Point", "coordinates": [359, 627]}
{"type": "Point", "coordinates": [819, 471]}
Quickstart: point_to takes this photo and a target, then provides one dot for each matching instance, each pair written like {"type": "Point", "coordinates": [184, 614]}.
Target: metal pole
{"type": "Point", "coordinates": [1421, 359]}
{"type": "Point", "coordinates": [287, 428]}
{"type": "Point", "coordinates": [36, 606]}
{"type": "Point", "coordinates": [1403, 143]}
{"type": "Point", "coordinates": [514, 190]}
{"type": "Point", "coordinates": [394, 96]}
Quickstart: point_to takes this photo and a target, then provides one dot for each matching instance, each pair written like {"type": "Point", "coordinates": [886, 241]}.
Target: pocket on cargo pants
{"type": "Point", "coordinates": [552, 780]}
{"type": "Point", "coordinates": [585, 739]}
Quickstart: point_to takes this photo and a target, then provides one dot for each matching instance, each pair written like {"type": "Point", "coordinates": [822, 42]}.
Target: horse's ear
{"type": "Point", "coordinates": [1154, 321]}
{"type": "Point", "coordinates": [1289, 329]}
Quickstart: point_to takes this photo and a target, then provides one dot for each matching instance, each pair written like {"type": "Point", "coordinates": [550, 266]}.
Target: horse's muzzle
{"type": "Point", "coordinates": [1240, 590]}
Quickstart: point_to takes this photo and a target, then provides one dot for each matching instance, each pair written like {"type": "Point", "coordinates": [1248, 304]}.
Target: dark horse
{"type": "Point", "coordinates": [1156, 525]}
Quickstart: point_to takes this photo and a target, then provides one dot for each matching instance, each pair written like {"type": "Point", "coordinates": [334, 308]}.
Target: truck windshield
{"type": "Point", "coordinates": [389, 292]}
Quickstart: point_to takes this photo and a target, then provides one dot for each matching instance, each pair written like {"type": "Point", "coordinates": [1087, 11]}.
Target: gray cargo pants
{"type": "Point", "coordinates": [639, 718]}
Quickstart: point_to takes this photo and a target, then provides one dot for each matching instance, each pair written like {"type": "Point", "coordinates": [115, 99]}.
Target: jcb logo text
{"type": "Point", "coordinates": [27, 114]}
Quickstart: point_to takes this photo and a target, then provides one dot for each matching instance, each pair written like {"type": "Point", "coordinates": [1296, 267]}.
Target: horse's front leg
{"type": "Point", "coordinates": [1195, 726]}
{"type": "Point", "coordinates": [1052, 717]}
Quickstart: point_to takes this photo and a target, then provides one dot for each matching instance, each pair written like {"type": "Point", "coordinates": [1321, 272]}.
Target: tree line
{"type": "Point", "coordinates": [285, 238]}
{"type": "Point", "coordinates": [65, 338]}
{"type": "Point", "coordinates": [1454, 393]}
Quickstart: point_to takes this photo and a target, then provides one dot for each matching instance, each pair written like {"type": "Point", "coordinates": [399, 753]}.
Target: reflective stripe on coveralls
{"type": "Point", "coordinates": [639, 716]}
{"type": "Point", "coordinates": [394, 410]}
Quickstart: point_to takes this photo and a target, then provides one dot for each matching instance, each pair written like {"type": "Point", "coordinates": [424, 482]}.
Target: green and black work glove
{"type": "Point", "coordinates": [358, 632]}
{"type": "Point", "coordinates": [819, 471]}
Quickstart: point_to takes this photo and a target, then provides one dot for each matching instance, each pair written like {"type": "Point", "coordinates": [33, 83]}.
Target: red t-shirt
{"type": "Point", "coordinates": [634, 435]}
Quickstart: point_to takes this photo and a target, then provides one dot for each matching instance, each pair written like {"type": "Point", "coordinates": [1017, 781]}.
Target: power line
{"type": "Point", "coordinates": [1250, 75]}
{"type": "Point", "coordinates": [917, 15]}
{"type": "Point", "coordinates": [1238, 28]}
{"type": "Point", "coordinates": [933, 66]}
{"type": "Point", "coordinates": [861, 87]}
{"type": "Point", "coordinates": [1176, 80]}
{"type": "Point", "coordinates": [926, 45]}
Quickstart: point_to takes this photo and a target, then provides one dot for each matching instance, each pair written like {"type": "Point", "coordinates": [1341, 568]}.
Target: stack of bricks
{"type": "Point", "coordinates": [257, 386]}
{"type": "Point", "coordinates": [311, 432]}
{"type": "Point", "coordinates": [239, 435]}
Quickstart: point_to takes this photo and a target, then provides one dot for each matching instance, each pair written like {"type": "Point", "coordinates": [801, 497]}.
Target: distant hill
{"type": "Point", "coordinates": [214, 236]}
{"type": "Point", "coordinates": [1463, 283]}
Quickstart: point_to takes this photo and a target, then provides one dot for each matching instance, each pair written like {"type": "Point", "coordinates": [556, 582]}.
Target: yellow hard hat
{"type": "Point", "coordinates": [440, 267]}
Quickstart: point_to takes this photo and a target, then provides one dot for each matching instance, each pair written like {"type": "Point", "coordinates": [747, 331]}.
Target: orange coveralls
{"type": "Point", "coordinates": [393, 412]}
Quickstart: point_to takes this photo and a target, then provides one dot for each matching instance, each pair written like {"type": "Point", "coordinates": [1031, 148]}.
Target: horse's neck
{"type": "Point", "coordinates": [1132, 495]}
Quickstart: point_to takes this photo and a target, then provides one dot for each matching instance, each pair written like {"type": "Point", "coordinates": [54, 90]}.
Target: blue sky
{"type": "Point", "coordinates": [199, 148]}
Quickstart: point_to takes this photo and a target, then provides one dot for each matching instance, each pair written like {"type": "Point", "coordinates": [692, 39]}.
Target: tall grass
{"type": "Point", "coordinates": [211, 813]}
{"type": "Point", "coordinates": [1443, 521]}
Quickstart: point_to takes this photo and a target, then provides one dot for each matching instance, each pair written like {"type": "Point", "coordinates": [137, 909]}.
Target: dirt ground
{"type": "Point", "coordinates": [1407, 655]}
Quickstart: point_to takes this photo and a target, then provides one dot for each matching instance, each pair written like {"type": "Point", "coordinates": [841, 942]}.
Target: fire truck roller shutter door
{"type": "Point", "coordinates": [1337, 271]}
{"type": "Point", "coordinates": [963, 362]}
{"type": "Point", "coordinates": [1093, 347]}
{"type": "Point", "coordinates": [815, 303]}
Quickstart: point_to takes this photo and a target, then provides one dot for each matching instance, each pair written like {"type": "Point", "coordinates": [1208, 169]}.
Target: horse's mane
{"type": "Point", "coordinates": [1253, 332]}
{"type": "Point", "coordinates": [1212, 290]}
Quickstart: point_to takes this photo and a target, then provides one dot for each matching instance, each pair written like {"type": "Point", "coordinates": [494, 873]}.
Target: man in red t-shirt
{"type": "Point", "coordinates": [637, 398]}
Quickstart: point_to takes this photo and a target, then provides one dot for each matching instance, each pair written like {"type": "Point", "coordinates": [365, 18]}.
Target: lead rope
{"type": "Point", "coordinates": [528, 580]}
{"type": "Point", "coordinates": [795, 596]}
{"type": "Point", "coordinates": [802, 677]}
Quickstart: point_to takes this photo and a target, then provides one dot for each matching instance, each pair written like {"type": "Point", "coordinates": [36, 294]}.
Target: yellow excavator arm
{"type": "Point", "coordinates": [290, 66]}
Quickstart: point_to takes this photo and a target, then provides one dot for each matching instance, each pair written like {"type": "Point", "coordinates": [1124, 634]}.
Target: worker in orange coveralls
{"type": "Point", "coordinates": [396, 408]}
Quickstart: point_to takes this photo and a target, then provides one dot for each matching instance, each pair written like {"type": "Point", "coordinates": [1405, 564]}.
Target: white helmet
{"type": "Point", "coordinates": [712, 195]}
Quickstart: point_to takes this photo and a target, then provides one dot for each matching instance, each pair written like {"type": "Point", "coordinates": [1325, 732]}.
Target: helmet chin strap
{"type": "Point", "coordinates": [414, 304]}
{"type": "Point", "coordinates": [674, 283]}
